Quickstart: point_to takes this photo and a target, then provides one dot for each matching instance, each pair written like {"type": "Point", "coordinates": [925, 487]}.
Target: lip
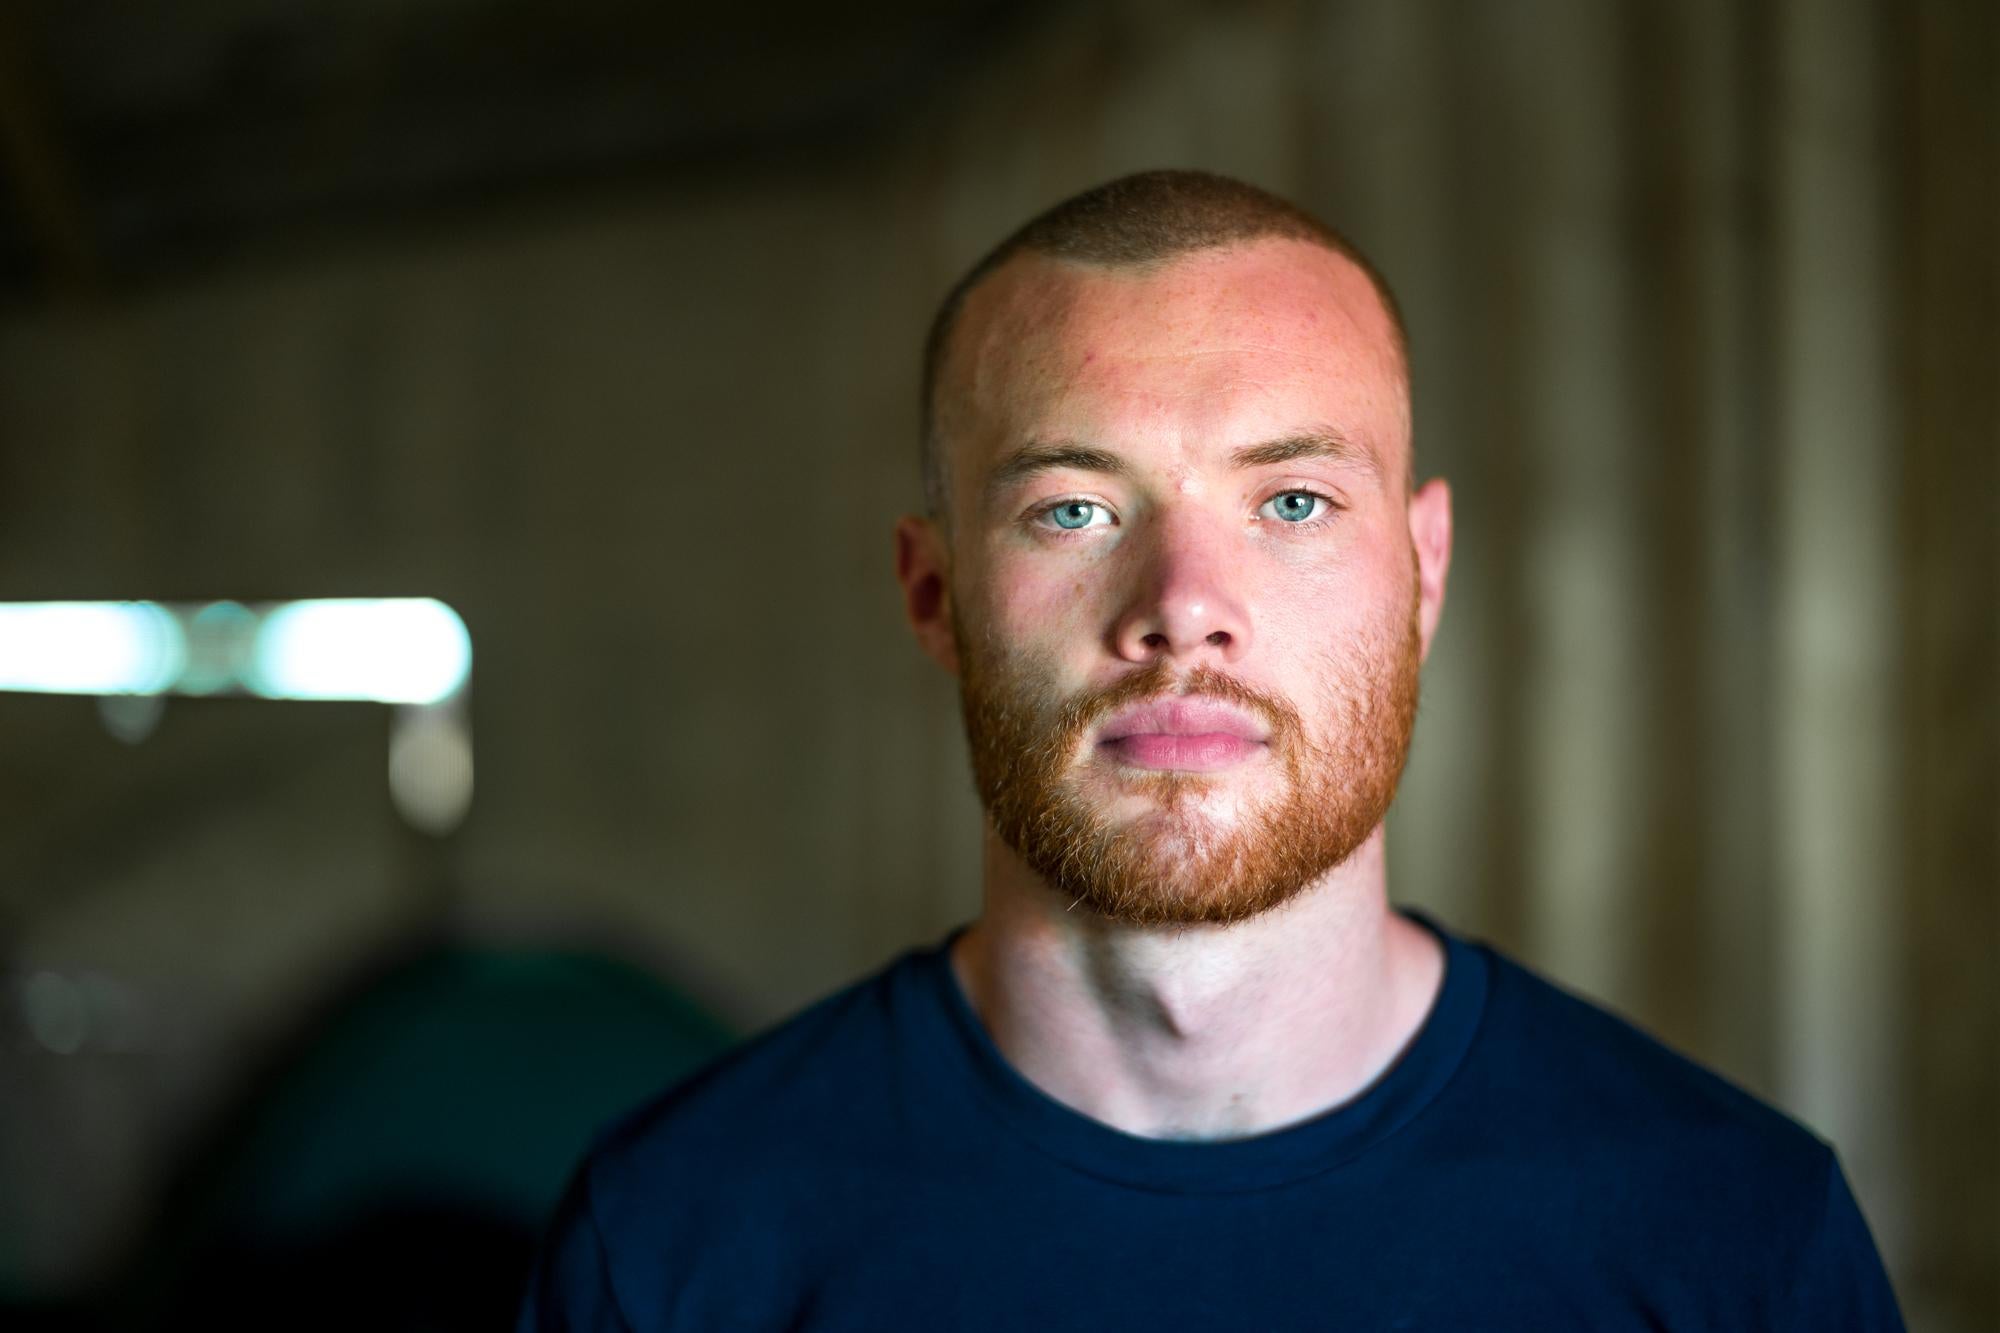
{"type": "Point", "coordinates": [1194, 716]}
{"type": "Point", "coordinates": [1188, 735]}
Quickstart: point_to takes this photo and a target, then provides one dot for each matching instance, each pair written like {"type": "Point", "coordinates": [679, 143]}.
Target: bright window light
{"type": "Point", "coordinates": [90, 647]}
{"type": "Point", "coordinates": [397, 650]}
{"type": "Point", "coordinates": [412, 651]}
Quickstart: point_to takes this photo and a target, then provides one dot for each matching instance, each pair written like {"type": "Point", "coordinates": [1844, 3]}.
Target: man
{"type": "Point", "coordinates": [1189, 1069]}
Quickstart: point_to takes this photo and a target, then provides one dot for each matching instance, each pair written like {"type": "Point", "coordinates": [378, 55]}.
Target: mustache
{"type": "Point", "coordinates": [1083, 711]}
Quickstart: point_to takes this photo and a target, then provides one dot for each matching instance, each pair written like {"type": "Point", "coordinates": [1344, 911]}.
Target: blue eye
{"type": "Point", "coordinates": [1295, 506]}
{"type": "Point", "coordinates": [1074, 514]}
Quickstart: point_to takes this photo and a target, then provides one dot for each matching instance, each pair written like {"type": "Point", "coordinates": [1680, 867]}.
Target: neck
{"type": "Point", "coordinates": [1206, 1032]}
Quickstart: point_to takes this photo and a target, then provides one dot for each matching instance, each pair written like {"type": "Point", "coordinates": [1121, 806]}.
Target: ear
{"type": "Point", "coordinates": [1430, 537]}
{"type": "Point", "coordinates": [923, 568]}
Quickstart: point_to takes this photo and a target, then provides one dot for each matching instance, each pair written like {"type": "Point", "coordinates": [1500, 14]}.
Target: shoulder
{"type": "Point", "coordinates": [722, 1185]}
{"type": "Point", "coordinates": [1639, 1150]}
{"type": "Point", "coordinates": [1600, 1078]}
{"type": "Point", "coordinates": [790, 1087]}
{"type": "Point", "coordinates": [1659, 1156]}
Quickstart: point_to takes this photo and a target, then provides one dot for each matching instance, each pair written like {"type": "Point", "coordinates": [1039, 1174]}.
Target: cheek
{"type": "Point", "coordinates": [1020, 646]}
{"type": "Point", "coordinates": [1316, 597]}
{"type": "Point", "coordinates": [1326, 607]}
{"type": "Point", "coordinates": [1373, 565]}
{"type": "Point", "coordinates": [1038, 607]}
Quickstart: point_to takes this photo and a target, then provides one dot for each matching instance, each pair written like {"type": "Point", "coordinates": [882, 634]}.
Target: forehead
{"type": "Point", "coordinates": [1275, 336]}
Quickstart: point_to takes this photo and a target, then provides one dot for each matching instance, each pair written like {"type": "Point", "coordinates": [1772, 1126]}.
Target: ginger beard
{"type": "Point", "coordinates": [1177, 864]}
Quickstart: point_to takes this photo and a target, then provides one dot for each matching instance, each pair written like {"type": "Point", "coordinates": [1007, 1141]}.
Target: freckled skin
{"type": "Point", "coordinates": [1171, 369]}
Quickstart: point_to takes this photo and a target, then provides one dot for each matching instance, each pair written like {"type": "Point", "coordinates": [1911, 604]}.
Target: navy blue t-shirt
{"type": "Point", "coordinates": [1529, 1162]}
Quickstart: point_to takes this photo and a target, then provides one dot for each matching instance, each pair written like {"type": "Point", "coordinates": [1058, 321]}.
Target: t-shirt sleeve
{"type": "Point", "coordinates": [1844, 1288]}
{"type": "Point", "coordinates": [569, 1290]}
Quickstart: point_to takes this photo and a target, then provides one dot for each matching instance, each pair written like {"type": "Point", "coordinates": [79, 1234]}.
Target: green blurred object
{"type": "Point", "coordinates": [470, 1076]}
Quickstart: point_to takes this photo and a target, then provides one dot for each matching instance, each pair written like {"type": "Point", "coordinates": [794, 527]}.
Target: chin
{"type": "Point", "coordinates": [1173, 846]}
{"type": "Point", "coordinates": [1185, 850]}
{"type": "Point", "coordinates": [1223, 800]}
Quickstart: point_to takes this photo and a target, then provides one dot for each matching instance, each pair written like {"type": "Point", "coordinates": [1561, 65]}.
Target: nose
{"type": "Point", "coordinates": [1184, 601]}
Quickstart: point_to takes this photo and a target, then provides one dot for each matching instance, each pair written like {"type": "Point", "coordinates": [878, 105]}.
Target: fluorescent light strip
{"type": "Point", "coordinates": [407, 651]}
{"type": "Point", "coordinates": [90, 647]}
{"type": "Point", "coordinates": [403, 650]}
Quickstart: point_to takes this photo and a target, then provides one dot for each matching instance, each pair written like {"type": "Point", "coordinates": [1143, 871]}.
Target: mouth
{"type": "Point", "coordinates": [1194, 735]}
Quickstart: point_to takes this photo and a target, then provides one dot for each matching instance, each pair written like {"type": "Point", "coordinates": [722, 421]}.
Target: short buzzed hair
{"type": "Point", "coordinates": [1138, 221]}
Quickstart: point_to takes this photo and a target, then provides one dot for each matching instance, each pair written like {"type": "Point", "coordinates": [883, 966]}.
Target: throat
{"type": "Point", "coordinates": [1187, 1062]}
{"type": "Point", "coordinates": [1202, 1032]}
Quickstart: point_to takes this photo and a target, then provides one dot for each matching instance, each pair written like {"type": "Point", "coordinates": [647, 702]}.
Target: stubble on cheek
{"type": "Point", "coordinates": [1199, 849]}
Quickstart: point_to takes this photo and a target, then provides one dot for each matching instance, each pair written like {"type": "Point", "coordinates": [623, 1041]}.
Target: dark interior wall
{"type": "Point", "coordinates": [625, 450]}
{"type": "Point", "coordinates": [1704, 329]}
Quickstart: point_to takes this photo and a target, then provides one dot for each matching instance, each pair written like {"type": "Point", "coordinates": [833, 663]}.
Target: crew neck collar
{"type": "Point", "coordinates": [1278, 1157]}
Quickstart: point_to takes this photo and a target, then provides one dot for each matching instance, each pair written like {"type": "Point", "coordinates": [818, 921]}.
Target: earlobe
{"type": "Point", "coordinates": [923, 570]}
{"type": "Point", "coordinates": [1430, 538]}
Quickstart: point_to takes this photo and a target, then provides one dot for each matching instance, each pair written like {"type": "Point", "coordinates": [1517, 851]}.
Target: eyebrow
{"type": "Point", "coordinates": [1033, 459]}
{"type": "Point", "coordinates": [1322, 442]}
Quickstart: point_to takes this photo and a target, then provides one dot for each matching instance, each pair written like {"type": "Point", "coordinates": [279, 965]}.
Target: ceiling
{"type": "Point", "coordinates": [138, 138]}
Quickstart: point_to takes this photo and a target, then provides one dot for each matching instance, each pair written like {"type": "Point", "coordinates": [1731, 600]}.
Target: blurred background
{"type": "Point", "coordinates": [599, 323]}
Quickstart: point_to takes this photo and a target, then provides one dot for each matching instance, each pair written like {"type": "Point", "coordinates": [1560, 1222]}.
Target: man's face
{"type": "Point", "coordinates": [1182, 595]}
